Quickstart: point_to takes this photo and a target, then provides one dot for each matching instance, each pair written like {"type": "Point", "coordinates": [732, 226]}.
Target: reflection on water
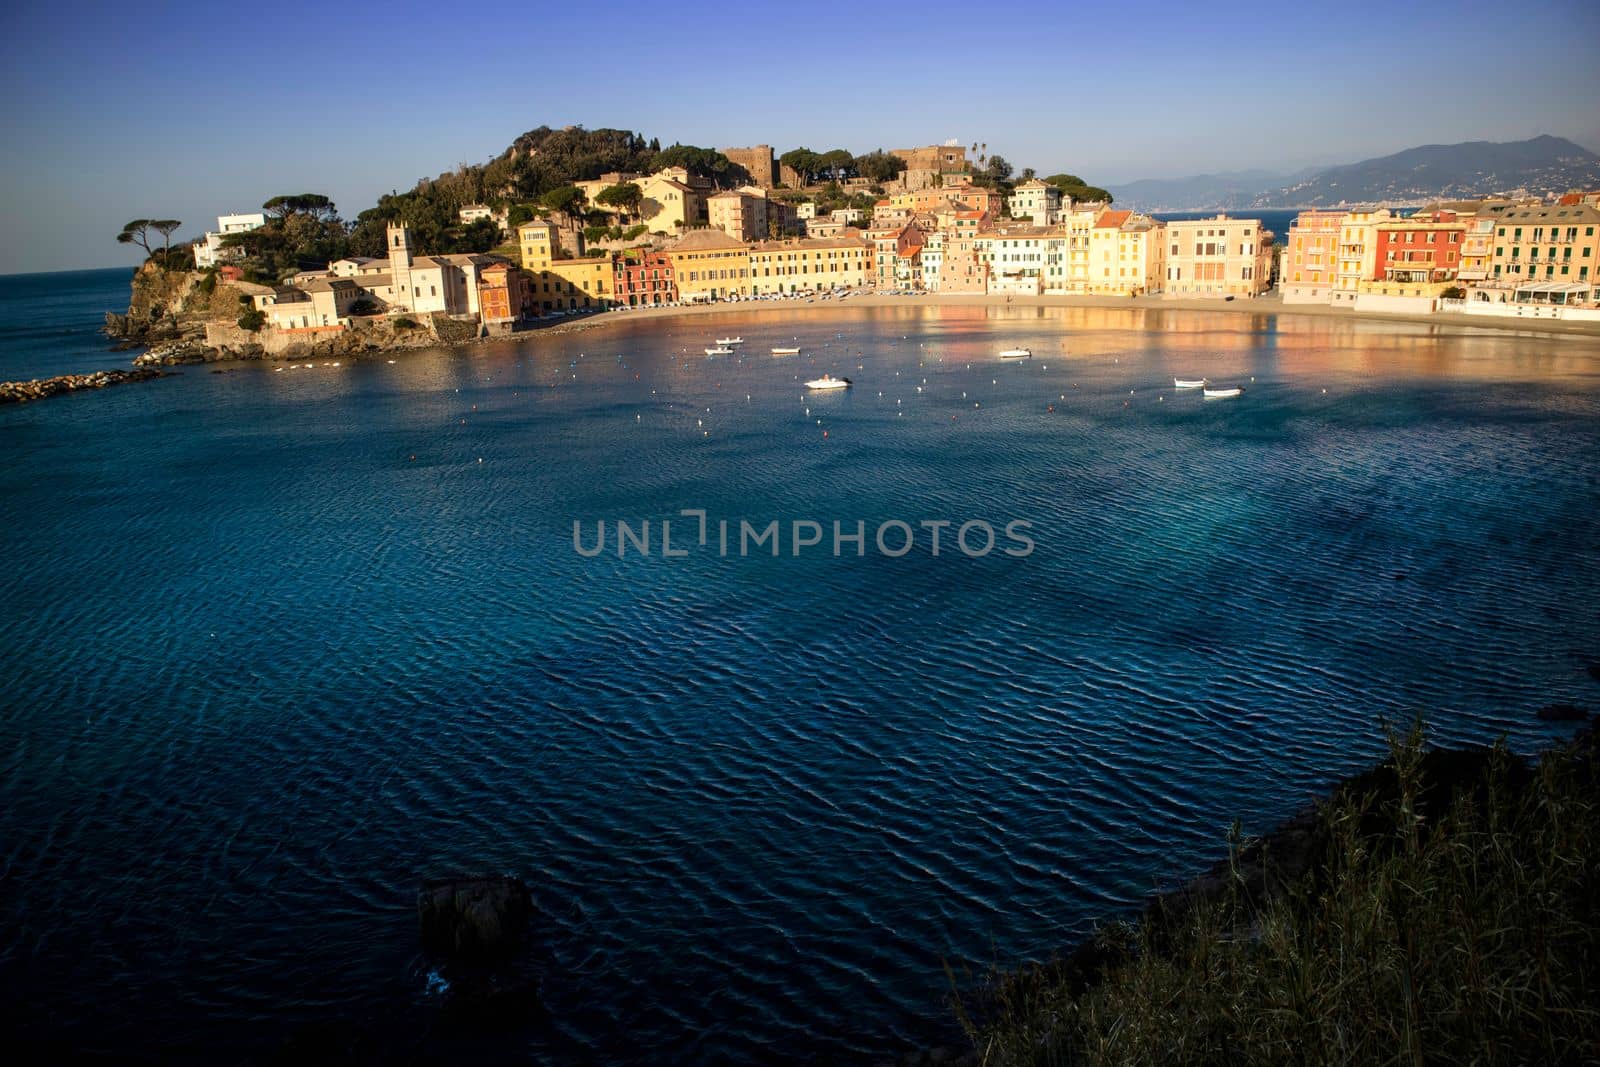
{"type": "Point", "coordinates": [281, 644]}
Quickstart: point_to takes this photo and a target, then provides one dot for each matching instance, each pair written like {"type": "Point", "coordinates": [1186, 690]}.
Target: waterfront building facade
{"type": "Point", "coordinates": [557, 283]}
{"type": "Point", "coordinates": [643, 278]}
{"type": "Point", "coordinates": [1550, 244]}
{"type": "Point", "coordinates": [1217, 257]}
{"type": "Point", "coordinates": [1311, 258]}
{"type": "Point", "coordinates": [1358, 252]}
{"type": "Point", "coordinates": [808, 265]}
{"type": "Point", "coordinates": [710, 265]}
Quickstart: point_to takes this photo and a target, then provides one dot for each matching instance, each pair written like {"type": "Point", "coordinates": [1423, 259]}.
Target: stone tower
{"type": "Point", "coordinates": [401, 257]}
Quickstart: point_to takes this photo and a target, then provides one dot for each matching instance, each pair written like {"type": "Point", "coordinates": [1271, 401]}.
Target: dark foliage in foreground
{"type": "Point", "coordinates": [1440, 909]}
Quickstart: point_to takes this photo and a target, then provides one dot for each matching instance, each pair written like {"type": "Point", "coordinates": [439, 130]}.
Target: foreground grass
{"type": "Point", "coordinates": [1444, 908]}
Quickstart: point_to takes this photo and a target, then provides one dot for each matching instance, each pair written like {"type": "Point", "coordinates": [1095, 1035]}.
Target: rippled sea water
{"type": "Point", "coordinates": [280, 644]}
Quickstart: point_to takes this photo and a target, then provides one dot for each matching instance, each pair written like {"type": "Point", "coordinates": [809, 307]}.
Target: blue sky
{"type": "Point", "coordinates": [188, 110]}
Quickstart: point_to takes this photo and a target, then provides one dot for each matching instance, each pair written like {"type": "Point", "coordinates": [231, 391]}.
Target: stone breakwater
{"type": "Point", "coordinates": [17, 392]}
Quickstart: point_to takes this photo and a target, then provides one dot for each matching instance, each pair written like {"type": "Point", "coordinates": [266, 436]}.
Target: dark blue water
{"type": "Point", "coordinates": [1274, 219]}
{"type": "Point", "coordinates": [280, 644]}
{"type": "Point", "coordinates": [50, 323]}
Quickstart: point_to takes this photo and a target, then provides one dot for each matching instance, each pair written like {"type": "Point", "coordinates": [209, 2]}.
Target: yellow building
{"type": "Point", "coordinates": [1220, 257]}
{"type": "Point", "coordinates": [1551, 244]}
{"type": "Point", "coordinates": [562, 284]}
{"type": "Point", "coordinates": [1077, 225]}
{"type": "Point", "coordinates": [1127, 256]}
{"type": "Point", "coordinates": [670, 205]}
{"type": "Point", "coordinates": [799, 266]}
{"type": "Point", "coordinates": [710, 265]}
{"type": "Point", "coordinates": [1358, 252]}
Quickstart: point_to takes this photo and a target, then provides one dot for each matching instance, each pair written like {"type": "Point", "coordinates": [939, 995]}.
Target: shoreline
{"type": "Point", "coordinates": [1270, 304]}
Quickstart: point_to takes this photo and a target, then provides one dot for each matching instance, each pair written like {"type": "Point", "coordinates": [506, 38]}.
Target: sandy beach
{"type": "Point", "coordinates": [1270, 304]}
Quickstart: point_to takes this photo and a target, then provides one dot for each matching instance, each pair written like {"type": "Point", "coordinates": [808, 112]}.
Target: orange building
{"type": "Point", "coordinates": [1311, 261]}
{"type": "Point", "coordinates": [502, 294]}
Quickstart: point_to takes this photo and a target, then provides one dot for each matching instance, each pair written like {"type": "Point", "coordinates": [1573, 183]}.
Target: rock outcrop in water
{"type": "Point", "coordinates": [17, 392]}
{"type": "Point", "coordinates": [170, 305]}
{"type": "Point", "coordinates": [475, 919]}
{"type": "Point", "coordinates": [476, 934]}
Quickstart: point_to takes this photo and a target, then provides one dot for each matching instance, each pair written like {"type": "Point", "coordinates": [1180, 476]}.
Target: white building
{"type": "Point", "coordinates": [401, 282]}
{"type": "Point", "coordinates": [208, 250]}
{"type": "Point", "coordinates": [1037, 201]}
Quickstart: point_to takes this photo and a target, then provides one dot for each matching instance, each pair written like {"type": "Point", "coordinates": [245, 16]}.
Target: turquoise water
{"type": "Point", "coordinates": [281, 644]}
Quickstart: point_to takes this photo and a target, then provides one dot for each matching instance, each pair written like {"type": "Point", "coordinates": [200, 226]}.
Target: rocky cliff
{"type": "Point", "coordinates": [170, 305]}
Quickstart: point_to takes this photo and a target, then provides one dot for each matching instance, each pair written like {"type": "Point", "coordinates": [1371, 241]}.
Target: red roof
{"type": "Point", "coordinates": [1111, 220]}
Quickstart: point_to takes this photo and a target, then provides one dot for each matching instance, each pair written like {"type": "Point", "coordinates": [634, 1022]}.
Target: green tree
{"type": "Point", "coordinates": [837, 165]}
{"type": "Point", "coordinates": [1075, 188]}
{"type": "Point", "coordinates": [137, 232]}
{"type": "Point", "coordinates": [704, 163]}
{"type": "Point", "coordinates": [166, 228]}
{"type": "Point", "coordinates": [626, 195]}
{"type": "Point", "coordinates": [999, 169]}
{"type": "Point", "coordinates": [315, 205]}
{"type": "Point", "coordinates": [879, 166]}
{"type": "Point", "coordinates": [804, 162]}
{"type": "Point", "coordinates": [565, 198]}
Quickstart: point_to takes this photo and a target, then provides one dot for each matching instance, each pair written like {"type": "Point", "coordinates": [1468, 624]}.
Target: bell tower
{"type": "Point", "coordinates": [401, 256]}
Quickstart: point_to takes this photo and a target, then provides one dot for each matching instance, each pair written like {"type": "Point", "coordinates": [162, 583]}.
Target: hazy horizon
{"type": "Point", "coordinates": [199, 111]}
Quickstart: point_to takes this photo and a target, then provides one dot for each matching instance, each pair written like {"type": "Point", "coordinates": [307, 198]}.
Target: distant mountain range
{"type": "Point", "coordinates": [1543, 164]}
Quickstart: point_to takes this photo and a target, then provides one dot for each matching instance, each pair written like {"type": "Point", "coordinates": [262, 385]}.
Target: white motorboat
{"type": "Point", "coordinates": [1222, 394]}
{"type": "Point", "coordinates": [720, 350]}
{"type": "Point", "coordinates": [828, 381]}
{"type": "Point", "coordinates": [1016, 353]}
{"type": "Point", "coordinates": [730, 340]}
{"type": "Point", "coordinates": [1188, 383]}
{"type": "Point", "coordinates": [786, 351]}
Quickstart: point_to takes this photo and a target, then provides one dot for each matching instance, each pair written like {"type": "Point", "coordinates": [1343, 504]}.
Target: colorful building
{"type": "Point", "coordinates": [1019, 257]}
{"type": "Point", "coordinates": [1218, 257]}
{"type": "Point", "coordinates": [1311, 258]}
{"type": "Point", "coordinates": [808, 265]}
{"type": "Point", "coordinates": [561, 284]}
{"type": "Point", "coordinates": [739, 213]}
{"type": "Point", "coordinates": [503, 294]}
{"type": "Point", "coordinates": [1037, 201]}
{"type": "Point", "coordinates": [1547, 244]}
{"type": "Point", "coordinates": [710, 265]}
{"type": "Point", "coordinates": [962, 264]}
{"type": "Point", "coordinates": [1420, 248]}
{"type": "Point", "coordinates": [1358, 252]}
{"type": "Point", "coordinates": [643, 278]}
{"type": "Point", "coordinates": [1127, 254]}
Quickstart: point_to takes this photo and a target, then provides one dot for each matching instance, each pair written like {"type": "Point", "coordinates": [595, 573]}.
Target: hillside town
{"type": "Point", "coordinates": [936, 228]}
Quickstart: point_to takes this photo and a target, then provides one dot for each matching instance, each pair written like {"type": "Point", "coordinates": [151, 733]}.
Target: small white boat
{"type": "Point", "coordinates": [720, 350]}
{"type": "Point", "coordinates": [1188, 383]}
{"type": "Point", "coordinates": [1016, 353]}
{"type": "Point", "coordinates": [828, 381]}
{"type": "Point", "coordinates": [730, 340]}
{"type": "Point", "coordinates": [786, 351]}
{"type": "Point", "coordinates": [1221, 394]}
